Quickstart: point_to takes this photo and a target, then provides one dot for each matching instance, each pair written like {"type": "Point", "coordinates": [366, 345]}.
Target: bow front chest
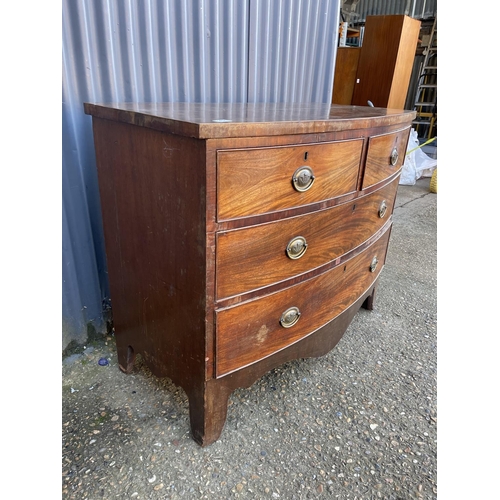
{"type": "Point", "coordinates": [241, 236]}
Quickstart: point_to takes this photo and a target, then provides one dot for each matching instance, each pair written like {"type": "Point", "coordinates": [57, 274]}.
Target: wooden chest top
{"type": "Point", "coordinates": [216, 121]}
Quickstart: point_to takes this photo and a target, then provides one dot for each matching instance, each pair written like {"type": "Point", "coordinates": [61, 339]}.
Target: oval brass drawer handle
{"type": "Point", "coordinates": [296, 247]}
{"type": "Point", "coordinates": [303, 178]}
{"type": "Point", "coordinates": [373, 265]}
{"type": "Point", "coordinates": [394, 157]}
{"type": "Point", "coordinates": [290, 317]}
{"type": "Point", "coordinates": [382, 209]}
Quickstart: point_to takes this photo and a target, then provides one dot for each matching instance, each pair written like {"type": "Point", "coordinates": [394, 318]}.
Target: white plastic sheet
{"type": "Point", "coordinates": [417, 164]}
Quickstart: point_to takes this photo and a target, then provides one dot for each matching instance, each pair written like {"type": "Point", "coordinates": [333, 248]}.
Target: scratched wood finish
{"type": "Point", "coordinates": [329, 234]}
{"type": "Point", "coordinates": [257, 181]}
{"type": "Point", "coordinates": [251, 331]}
{"type": "Point", "coordinates": [378, 159]}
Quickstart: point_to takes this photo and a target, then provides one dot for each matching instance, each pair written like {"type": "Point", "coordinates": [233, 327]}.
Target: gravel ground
{"type": "Point", "coordinates": [358, 424]}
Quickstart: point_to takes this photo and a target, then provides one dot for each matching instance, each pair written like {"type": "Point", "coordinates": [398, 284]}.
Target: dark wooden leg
{"type": "Point", "coordinates": [368, 303]}
{"type": "Point", "coordinates": [208, 411]}
{"type": "Point", "coordinates": [126, 358]}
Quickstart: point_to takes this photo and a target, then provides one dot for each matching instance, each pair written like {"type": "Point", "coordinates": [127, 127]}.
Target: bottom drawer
{"type": "Point", "coordinates": [249, 332]}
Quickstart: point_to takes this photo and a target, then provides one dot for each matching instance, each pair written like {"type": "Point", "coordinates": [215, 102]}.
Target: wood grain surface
{"type": "Point", "coordinates": [378, 163]}
{"type": "Point", "coordinates": [255, 257]}
{"type": "Point", "coordinates": [252, 331]}
{"type": "Point", "coordinates": [256, 181]}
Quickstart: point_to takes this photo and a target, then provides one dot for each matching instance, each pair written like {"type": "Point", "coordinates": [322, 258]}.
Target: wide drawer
{"type": "Point", "coordinates": [261, 180]}
{"type": "Point", "coordinates": [254, 330]}
{"type": "Point", "coordinates": [385, 156]}
{"type": "Point", "coordinates": [254, 257]}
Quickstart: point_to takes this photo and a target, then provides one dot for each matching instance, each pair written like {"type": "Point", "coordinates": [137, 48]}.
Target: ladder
{"type": "Point", "coordinates": [426, 95]}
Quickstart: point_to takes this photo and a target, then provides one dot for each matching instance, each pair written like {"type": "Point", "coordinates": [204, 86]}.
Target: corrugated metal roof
{"type": "Point", "coordinates": [418, 9]}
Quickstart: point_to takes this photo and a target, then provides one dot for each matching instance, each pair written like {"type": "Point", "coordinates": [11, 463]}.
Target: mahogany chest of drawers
{"type": "Point", "coordinates": [241, 236]}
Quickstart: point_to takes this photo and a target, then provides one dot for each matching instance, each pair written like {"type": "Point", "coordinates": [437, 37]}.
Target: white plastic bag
{"type": "Point", "coordinates": [417, 164]}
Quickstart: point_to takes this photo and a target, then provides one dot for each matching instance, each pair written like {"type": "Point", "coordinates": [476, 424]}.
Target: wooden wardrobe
{"type": "Point", "coordinates": [380, 70]}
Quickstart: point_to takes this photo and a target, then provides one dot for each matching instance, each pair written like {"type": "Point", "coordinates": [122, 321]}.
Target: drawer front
{"type": "Point", "coordinates": [386, 154]}
{"type": "Point", "coordinates": [251, 258]}
{"type": "Point", "coordinates": [252, 331]}
{"type": "Point", "coordinates": [257, 181]}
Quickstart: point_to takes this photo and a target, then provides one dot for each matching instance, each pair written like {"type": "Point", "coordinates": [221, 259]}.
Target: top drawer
{"type": "Point", "coordinates": [256, 181]}
{"type": "Point", "coordinates": [386, 154]}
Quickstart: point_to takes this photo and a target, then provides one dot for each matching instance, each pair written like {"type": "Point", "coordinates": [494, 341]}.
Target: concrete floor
{"type": "Point", "coordinates": [358, 423]}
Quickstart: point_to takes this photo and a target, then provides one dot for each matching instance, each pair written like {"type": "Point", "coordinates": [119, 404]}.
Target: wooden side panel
{"type": "Point", "coordinates": [255, 257]}
{"type": "Point", "coordinates": [378, 164]}
{"type": "Point", "coordinates": [386, 61]}
{"type": "Point", "coordinates": [252, 331]}
{"type": "Point", "coordinates": [377, 60]}
{"type": "Point", "coordinates": [346, 67]}
{"type": "Point", "coordinates": [404, 63]}
{"type": "Point", "coordinates": [256, 181]}
{"type": "Point", "coordinates": [152, 188]}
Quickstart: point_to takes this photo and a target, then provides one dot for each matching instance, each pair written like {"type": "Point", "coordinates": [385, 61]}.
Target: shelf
{"type": "Point", "coordinates": [351, 32]}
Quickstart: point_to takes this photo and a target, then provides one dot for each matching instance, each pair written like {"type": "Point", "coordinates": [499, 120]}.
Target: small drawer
{"type": "Point", "coordinates": [386, 155]}
{"type": "Point", "coordinates": [258, 256]}
{"type": "Point", "coordinates": [257, 181]}
{"type": "Point", "coordinates": [254, 330]}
